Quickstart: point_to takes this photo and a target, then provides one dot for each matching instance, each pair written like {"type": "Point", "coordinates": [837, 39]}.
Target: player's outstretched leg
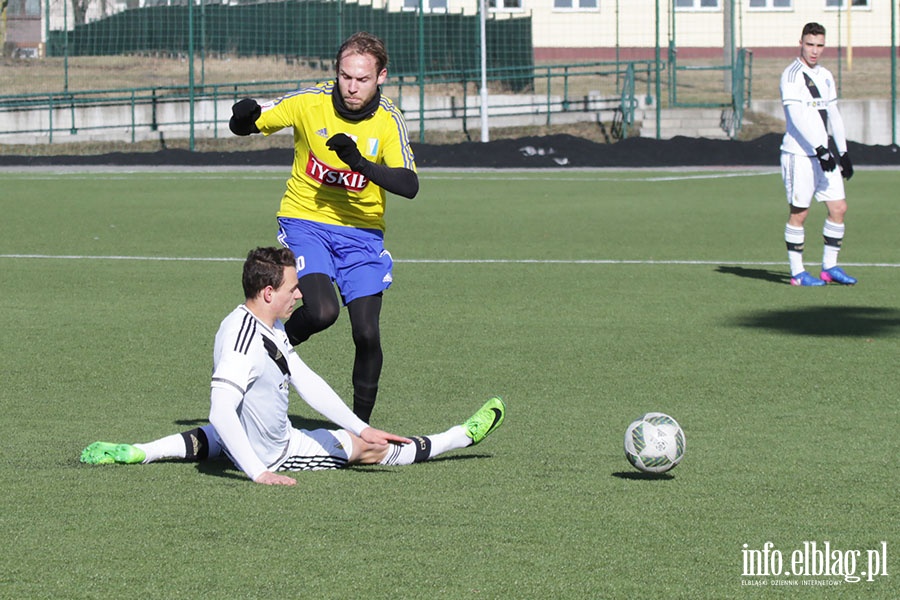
{"type": "Point", "coordinates": [488, 418]}
{"type": "Point", "coordinates": [104, 453]}
{"type": "Point", "coordinates": [193, 445]}
{"type": "Point", "coordinates": [425, 447]}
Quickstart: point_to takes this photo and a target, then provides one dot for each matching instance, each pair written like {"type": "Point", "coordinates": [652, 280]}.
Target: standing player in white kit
{"type": "Point", "coordinates": [808, 167]}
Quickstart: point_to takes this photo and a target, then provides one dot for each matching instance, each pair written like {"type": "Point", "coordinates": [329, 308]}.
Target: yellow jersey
{"type": "Point", "coordinates": [322, 187]}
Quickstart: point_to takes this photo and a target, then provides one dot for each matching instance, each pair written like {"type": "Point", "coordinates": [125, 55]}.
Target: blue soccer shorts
{"type": "Point", "coordinates": [354, 258]}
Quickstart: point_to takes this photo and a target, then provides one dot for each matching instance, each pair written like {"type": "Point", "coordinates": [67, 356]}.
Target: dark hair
{"type": "Point", "coordinates": [812, 29]}
{"type": "Point", "coordinates": [364, 43]}
{"type": "Point", "coordinates": [265, 267]}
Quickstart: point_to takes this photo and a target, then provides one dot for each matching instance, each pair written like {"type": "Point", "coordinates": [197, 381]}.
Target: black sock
{"type": "Point", "coordinates": [364, 316]}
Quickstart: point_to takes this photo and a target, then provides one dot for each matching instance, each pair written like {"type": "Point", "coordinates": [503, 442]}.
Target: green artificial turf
{"type": "Point", "coordinates": [584, 298]}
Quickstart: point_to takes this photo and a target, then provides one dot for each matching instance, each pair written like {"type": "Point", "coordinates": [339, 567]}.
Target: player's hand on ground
{"type": "Point", "coordinates": [244, 114]}
{"type": "Point", "coordinates": [846, 166]}
{"type": "Point", "coordinates": [344, 146]}
{"type": "Point", "coordinates": [826, 159]}
{"type": "Point", "coordinates": [377, 436]}
{"type": "Point", "coordinates": [270, 478]}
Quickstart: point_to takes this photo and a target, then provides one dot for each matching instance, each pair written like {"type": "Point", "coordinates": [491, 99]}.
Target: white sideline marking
{"type": "Point", "coordinates": [656, 179]}
{"type": "Point", "coordinates": [473, 261]}
{"type": "Point", "coordinates": [589, 174]}
{"type": "Point", "coordinates": [114, 257]}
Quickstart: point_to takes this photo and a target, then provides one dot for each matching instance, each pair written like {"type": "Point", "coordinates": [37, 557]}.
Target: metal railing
{"type": "Point", "coordinates": [601, 88]}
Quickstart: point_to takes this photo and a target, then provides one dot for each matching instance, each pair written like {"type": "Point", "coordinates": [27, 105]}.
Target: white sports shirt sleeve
{"type": "Point", "coordinates": [805, 129]}
{"type": "Point", "coordinates": [837, 128]}
{"type": "Point", "coordinates": [321, 397]}
{"type": "Point", "coordinates": [223, 415]}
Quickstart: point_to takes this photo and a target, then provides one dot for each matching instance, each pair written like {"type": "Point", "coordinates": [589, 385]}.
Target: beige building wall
{"type": "Point", "coordinates": [632, 23]}
{"type": "Point", "coordinates": [629, 24]}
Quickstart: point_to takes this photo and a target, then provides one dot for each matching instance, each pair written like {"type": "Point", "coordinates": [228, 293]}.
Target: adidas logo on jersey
{"type": "Point", "coordinates": [323, 133]}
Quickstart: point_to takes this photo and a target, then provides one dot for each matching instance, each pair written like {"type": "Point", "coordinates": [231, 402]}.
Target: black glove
{"type": "Point", "coordinates": [825, 159]}
{"type": "Point", "coordinates": [344, 146]}
{"type": "Point", "coordinates": [244, 114]}
{"type": "Point", "coordinates": [846, 166]}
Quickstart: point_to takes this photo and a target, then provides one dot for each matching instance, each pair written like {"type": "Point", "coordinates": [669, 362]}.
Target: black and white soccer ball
{"type": "Point", "coordinates": [654, 443]}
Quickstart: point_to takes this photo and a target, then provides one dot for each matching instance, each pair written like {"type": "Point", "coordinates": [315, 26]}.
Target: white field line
{"type": "Point", "coordinates": [112, 173]}
{"type": "Point", "coordinates": [588, 176]}
{"type": "Point", "coordinates": [277, 173]}
{"type": "Point", "coordinates": [656, 179]}
{"type": "Point", "coordinates": [438, 261]}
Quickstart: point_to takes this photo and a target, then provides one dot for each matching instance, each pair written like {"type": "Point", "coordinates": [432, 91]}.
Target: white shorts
{"type": "Point", "coordinates": [316, 450]}
{"type": "Point", "coordinates": [804, 178]}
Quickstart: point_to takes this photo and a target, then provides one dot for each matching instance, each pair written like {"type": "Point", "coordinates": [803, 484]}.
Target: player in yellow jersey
{"type": "Point", "coordinates": [351, 146]}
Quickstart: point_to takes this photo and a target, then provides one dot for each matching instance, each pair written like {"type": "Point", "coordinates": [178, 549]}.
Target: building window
{"type": "Point", "coordinates": [427, 5]}
{"type": "Point", "coordinates": [23, 8]}
{"type": "Point", "coordinates": [772, 4]}
{"type": "Point", "coordinates": [512, 5]}
{"type": "Point", "coordinates": [697, 4]}
{"type": "Point", "coordinates": [843, 4]}
{"type": "Point", "coordinates": [575, 4]}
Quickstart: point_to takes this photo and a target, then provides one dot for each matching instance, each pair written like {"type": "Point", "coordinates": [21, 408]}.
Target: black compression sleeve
{"type": "Point", "coordinates": [396, 180]}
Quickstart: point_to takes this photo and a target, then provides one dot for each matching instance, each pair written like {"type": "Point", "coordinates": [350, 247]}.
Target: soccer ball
{"type": "Point", "coordinates": [654, 443]}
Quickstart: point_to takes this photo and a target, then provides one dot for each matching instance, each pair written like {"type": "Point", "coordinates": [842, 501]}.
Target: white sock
{"type": "Point", "coordinates": [794, 237]}
{"type": "Point", "coordinates": [834, 237]}
{"type": "Point", "coordinates": [171, 446]}
{"type": "Point", "coordinates": [427, 447]}
{"type": "Point", "coordinates": [176, 446]}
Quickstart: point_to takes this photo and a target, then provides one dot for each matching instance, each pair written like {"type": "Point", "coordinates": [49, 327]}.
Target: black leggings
{"type": "Point", "coordinates": [320, 309]}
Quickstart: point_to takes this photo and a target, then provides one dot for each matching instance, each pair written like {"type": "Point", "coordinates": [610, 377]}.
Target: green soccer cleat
{"type": "Point", "coordinates": [486, 420]}
{"type": "Point", "coordinates": [103, 453]}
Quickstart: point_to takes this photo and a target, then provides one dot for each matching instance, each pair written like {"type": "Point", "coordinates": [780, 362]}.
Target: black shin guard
{"type": "Point", "coordinates": [196, 445]}
{"type": "Point", "coordinates": [423, 448]}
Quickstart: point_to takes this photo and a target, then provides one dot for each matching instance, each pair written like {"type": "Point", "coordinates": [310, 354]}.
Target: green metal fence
{"type": "Point", "coordinates": [557, 91]}
{"type": "Point", "coordinates": [701, 53]}
{"type": "Point", "coordinates": [295, 30]}
{"type": "Point", "coordinates": [197, 51]}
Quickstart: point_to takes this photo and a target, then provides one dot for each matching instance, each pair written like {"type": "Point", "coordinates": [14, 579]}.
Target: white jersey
{"type": "Point", "coordinates": [806, 130]}
{"type": "Point", "coordinates": [252, 358]}
{"type": "Point", "coordinates": [256, 365]}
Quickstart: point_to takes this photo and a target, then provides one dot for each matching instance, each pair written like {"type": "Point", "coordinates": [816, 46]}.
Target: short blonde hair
{"type": "Point", "coordinates": [364, 43]}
